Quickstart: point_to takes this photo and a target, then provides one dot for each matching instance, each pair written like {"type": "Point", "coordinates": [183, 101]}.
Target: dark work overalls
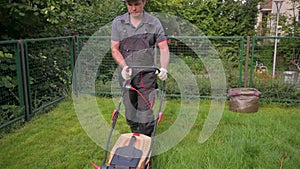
{"type": "Point", "coordinates": [138, 50]}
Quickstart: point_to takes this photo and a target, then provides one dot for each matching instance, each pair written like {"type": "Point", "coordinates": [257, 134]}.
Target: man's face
{"type": "Point", "coordinates": [135, 7]}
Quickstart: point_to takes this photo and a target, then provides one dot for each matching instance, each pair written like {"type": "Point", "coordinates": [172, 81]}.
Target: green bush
{"type": "Point", "coordinates": [277, 88]}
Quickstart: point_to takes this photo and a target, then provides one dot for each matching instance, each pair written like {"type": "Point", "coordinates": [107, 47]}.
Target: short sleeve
{"type": "Point", "coordinates": [115, 33]}
{"type": "Point", "coordinates": [160, 33]}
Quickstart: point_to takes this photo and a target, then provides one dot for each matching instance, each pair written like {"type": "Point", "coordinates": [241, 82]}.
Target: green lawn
{"type": "Point", "coordinates": [259, 140]}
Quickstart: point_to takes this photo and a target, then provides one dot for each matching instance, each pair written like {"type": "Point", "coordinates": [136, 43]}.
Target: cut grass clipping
{"type": "Point", "coordinates": [267, 139]}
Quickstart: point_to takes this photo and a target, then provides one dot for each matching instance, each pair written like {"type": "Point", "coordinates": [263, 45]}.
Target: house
{"type": "Point", "coordinates": [266, 18]}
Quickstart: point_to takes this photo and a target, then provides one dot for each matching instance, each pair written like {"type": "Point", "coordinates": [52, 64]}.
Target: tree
{"type": "Point", "coordinates": [35, 18]}
{"type": "Point", "coordinates": [214, 17]}
{"type": "Point", "coordinates": [18, 20]}
{"type": "Point", "coordinates": [294, 26]}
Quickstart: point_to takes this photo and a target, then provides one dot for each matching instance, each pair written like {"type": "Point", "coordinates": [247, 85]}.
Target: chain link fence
{"type": "Point", "coordinates": [275, 71]}
{"type": "Point", "coordinates": [37, 73]}
{"type": "Point", "coordinates": [12, 102]}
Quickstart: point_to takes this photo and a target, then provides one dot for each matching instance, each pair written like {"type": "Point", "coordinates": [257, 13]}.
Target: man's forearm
{"type": "Point", "coordinates": [164, 54]}
{"type": "Point", "coordinates": [164, 58]}
{"type": "Point", "coordinates": [119, 58]}
{"type": "Point", "coordinates": [116, 54]}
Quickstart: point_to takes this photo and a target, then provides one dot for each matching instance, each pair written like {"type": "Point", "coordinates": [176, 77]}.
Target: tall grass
{"type": "Point", "coordinates": [258, 140]}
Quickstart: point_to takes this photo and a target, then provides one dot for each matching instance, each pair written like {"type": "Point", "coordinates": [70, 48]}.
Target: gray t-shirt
{"type": "Point", "coordinates": [137, 43]}
{"type": "Point", "coordinates": [122, 28]}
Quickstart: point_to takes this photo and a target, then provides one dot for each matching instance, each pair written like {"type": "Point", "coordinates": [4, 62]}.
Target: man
{"type": "Point", "coordinates": [133, 39]}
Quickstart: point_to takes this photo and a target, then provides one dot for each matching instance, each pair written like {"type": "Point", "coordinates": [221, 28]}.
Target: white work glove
{"type": "Point", "coordinates": [126, 73]}
{"type": "Point", "coordinates": [163, 74]}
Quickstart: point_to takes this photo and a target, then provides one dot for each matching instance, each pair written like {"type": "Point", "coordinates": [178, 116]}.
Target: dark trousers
{"type": "Point", "coordinates": [138, 102]}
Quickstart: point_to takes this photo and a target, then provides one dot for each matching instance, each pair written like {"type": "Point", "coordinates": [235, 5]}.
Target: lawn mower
{"type": "Point", "coordinates": [131, 150]}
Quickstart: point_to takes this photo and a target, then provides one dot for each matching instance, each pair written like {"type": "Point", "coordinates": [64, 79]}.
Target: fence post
{"type": "Point", "coordinates": [246, 62]}
{"type": "Point", "coordinates": [25, 86]}
{"type": "Point", "coordinates": [242, 44]}
{"type": "Point", "coordinates": [252, 60]}
{"type": "Point", "coordinates": [73, 52]}
{"type": "Point", "coordinates": [73, 64]}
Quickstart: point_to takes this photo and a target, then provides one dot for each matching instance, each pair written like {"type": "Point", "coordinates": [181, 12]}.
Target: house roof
{"type": "Point", "coordinates": [266, 5]}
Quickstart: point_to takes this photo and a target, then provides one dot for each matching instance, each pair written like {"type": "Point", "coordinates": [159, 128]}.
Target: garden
{"type": "Point", "coordinates": [268, 138]}
{"type": "Point", "coordinates": [60, 51]}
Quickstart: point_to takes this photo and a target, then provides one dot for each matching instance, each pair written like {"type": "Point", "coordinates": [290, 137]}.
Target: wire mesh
{"type": "Point", "coordinates": [49, 65]}
{"type": "Point", "coordinates": [278, 80]}
{"type": "Point", "coordinates": [10, 99]}
{"type": "Point", "coordinates": [96, 69]}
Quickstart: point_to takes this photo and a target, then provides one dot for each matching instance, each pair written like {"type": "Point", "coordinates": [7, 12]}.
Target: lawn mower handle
{"type": "Point", "coordinates": [126, 84]}
{"type": "Point", "coordinates": [157, 70]}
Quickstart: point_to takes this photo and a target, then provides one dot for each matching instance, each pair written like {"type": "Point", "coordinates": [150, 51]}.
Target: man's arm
{"type": "Point", "coordinates": [164, 54]}
{"type": "Point", "coordinates": [116, 54]}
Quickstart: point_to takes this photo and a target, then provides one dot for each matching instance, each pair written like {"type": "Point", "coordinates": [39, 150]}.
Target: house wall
{"type": "Point", "coordinates": [287, 9]}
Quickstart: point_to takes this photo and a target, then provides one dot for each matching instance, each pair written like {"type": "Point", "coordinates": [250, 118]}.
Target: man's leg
{"type": "Point", "coordinates": [145, 114]}
{"type": "Point", "coordinates": [130, 103]}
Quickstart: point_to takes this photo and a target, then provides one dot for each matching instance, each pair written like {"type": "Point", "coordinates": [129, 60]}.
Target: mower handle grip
{"type": "Point", "coordinates": [156, 69]}
{"type": "Point", "coordinates": [126, 84]}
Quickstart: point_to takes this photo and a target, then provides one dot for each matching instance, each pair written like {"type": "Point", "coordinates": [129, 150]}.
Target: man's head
{"type": "Point", "coordinates": [135, 7]}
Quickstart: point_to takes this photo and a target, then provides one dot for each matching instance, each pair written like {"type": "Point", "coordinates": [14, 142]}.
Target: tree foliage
{"type": "Point", "coordinates": [35, 18]}
{"type": "Point", "coordinates": [293, 29]}
{"type": "Point", "coordinates": [213, 17]}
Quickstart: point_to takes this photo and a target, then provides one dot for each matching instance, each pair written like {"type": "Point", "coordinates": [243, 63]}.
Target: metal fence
{"type": "Point", "coordinates": [275, 71]}
{"type": "Point", "coordinates": [95, 60]}
{"type": "Point", "coordinates": [37, 73]}
{"type": "Point", "coordinates": [34, 75]}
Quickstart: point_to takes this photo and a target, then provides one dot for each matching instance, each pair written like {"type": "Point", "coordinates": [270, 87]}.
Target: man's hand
{"type": "Point", "coordinates": [163, 74]}
{"type": "Point", "coordinates": [126, 73]}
